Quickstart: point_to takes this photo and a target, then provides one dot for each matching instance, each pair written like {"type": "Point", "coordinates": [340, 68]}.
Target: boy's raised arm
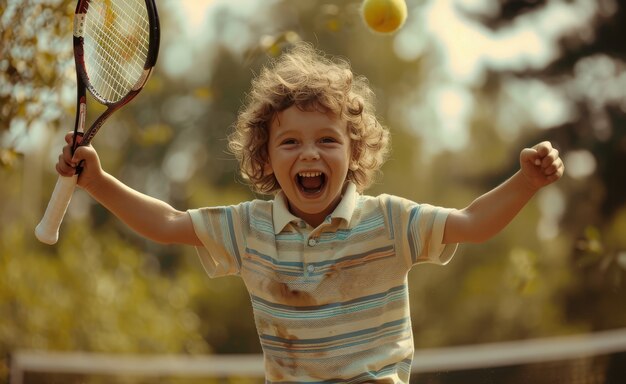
{"type": "Point", "coordinates": [149, 217]}
{"type": "Point", "coordinates": [491, 212]}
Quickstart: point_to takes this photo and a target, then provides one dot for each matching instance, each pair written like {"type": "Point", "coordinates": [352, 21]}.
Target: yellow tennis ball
{"type": "Point", "coordinates": [384, 16]}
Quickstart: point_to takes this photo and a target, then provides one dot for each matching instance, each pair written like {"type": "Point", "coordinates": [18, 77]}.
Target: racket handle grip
{"type": "Point", "coordinates": [47, 231]}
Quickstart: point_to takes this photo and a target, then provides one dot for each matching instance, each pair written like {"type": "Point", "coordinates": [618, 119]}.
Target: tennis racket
{"type": "Point", "coordinates": [116, 44]}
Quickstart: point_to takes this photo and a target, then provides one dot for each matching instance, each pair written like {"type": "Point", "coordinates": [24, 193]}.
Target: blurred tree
{"type": "Point", "coordinates": [35, 58]}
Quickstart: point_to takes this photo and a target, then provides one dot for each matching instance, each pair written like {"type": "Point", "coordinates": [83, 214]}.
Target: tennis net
{"type": "Point", "coordinates": [597, 358]}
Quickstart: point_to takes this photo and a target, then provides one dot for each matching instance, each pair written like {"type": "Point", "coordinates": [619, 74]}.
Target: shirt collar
{"type": "Point", "coordinates": [345, 209]}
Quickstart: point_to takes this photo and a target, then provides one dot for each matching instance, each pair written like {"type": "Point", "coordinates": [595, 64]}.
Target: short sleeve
{"type": "Point", "coordinates": [419, 230]}
{"type": "Point", "coordinates": [425, 235]}
{"type": "Point", "coordinates": [220, 231]}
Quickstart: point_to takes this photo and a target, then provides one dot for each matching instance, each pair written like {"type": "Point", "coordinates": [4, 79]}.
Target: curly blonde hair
{"type": "Point", "coordinates": [306, 78]}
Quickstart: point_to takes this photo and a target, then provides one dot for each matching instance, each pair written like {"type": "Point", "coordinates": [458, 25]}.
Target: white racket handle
{"type": "Point", "coordinates": [47, 231]}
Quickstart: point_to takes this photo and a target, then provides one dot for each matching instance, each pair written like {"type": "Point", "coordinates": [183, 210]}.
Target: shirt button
{"type": "Point", "coordinates": [310, 268]}
{"type": "Point", "coordinates": [312, 242]}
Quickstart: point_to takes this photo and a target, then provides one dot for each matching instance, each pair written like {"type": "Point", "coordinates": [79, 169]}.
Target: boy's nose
{"type": "Point", "coordinates": [309, 152]}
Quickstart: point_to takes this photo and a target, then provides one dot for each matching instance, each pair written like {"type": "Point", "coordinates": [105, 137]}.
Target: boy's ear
{"type": "Point", "coordinates": [267, 169]}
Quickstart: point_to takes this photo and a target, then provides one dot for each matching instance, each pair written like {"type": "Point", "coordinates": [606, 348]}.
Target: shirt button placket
{"type": "Point", "coordinates": [311, 242]}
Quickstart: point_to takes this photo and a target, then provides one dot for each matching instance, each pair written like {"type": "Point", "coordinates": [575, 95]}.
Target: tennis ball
{"type": "Point", "coordinates": [384, 16]}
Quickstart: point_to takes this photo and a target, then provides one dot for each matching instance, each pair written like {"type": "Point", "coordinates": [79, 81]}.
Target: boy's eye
{"type": "Point", "coordinates": [328, 140]}
{"type": "Point", "coordinates": [288, 142]}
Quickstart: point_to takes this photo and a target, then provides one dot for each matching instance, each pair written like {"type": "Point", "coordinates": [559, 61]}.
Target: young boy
{"type": "Point", "coordinates": [326, 266]}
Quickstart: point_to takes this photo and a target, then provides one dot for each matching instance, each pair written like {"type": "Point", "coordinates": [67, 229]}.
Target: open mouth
{"type": "Point", "coordinates": [311, 182]}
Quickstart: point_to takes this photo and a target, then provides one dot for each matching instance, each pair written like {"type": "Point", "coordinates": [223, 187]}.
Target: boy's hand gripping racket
{"type": "Point", "coordinates": [116, 43]}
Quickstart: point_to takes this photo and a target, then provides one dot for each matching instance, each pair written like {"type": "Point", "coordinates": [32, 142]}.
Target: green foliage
{"type": "Point", "coordinates": [91, 293]}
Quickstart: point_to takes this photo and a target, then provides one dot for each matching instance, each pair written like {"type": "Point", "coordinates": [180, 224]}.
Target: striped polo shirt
{"type": "Point", "coordinates": [330, 303]}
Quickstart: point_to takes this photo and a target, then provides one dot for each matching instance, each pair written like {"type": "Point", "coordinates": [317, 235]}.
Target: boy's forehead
{"type": "Point", "coordinates": [295, 116]}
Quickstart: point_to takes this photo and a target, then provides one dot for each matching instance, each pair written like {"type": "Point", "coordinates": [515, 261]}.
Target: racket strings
{"type": "Point", "coordinates": [116, 44]}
